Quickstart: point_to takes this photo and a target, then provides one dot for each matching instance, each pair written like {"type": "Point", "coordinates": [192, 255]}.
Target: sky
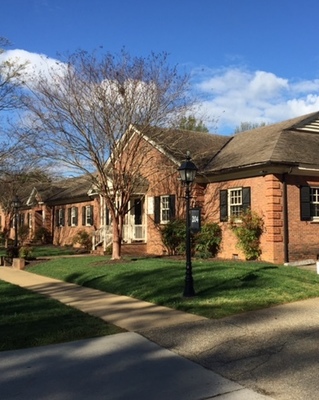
{"type": "Point", "coordinates": [249, 60]}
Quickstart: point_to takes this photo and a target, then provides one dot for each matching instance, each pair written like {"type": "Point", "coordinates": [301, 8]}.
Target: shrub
{"type": "Point", "coordinates": [42, 235]}
{"type": "Point", "coordinates": [83, 239]}
{"type": "Point", "coordinates": [12, 251]}
{"type": "Point", "coordinates": [248, 232]}
{"type": "Point", "coordinates": [207, 241]}
{"type": "Point", "coordinates": [174, 236]}
{"type": "Point", "coordinates": [26, 252]}
{"type": "Point", "coordinates": [204, 244]}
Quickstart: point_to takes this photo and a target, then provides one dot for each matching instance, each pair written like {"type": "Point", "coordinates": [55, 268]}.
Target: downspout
{"type": "Point", "coordinates": [285, 218]}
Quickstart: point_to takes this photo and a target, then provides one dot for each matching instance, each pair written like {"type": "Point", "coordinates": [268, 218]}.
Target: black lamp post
{"type": "Point", "coordinates": [187, 172]}
{"type": "Point", "coordinates": [16, 203]}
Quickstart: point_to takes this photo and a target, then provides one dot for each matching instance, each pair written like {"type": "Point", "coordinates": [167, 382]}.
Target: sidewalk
{"type": "Point", "coordinates": [126, 366]}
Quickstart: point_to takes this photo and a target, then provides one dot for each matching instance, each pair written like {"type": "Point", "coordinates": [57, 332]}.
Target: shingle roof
{"type": "Point", "coordinates": [70, 188]}
{"type": "Point", "coordinates": [175, 143]}
{"type": "Point", "coordinates": [284, 143]}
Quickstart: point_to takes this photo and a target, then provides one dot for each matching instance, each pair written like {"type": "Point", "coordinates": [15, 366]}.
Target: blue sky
{"type": "Point", "coordinates": [250, 60]}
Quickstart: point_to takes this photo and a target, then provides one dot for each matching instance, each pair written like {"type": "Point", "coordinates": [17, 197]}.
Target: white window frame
{"type": "Point", "coordinates": [235, 202]}
{"type": "Point", "coordinates": [88, 216]}
{"type": "Point", "coordinates": [164, 209]}
{"type": "Point", "coordinates": [314, 203]}
{"type": "Point", "coordinates": [60, 217]}
{"type": "Point", "coordinates": [73, 216]}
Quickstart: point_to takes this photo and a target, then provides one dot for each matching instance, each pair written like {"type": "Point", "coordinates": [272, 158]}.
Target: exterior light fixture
{"type": "Point", "coordinates": [16, 204]}
{"type": "Point", "coordinates": [187, 172]}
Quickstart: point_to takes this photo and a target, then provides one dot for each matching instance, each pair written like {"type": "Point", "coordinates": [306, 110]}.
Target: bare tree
{"type": "Point", "coordinates": [11, 73]}
{"type": "Point", "coordinates": [91, 116]}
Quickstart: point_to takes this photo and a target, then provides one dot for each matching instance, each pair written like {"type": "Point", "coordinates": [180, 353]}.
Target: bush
{"type": "Point", "coordinates": [207, 241]}
{"type": "Point", "coordinates": [12, 251]}
{"type": "Point", "coordinates": [248, 232]}
{"type": "Point", "coordinates": [26, 252]}
{"type": "Point", "coordinates": [174, 236]}
{"type": "Point", "coordinates": [42, 235]}
{"type": "Point", "coordinates": [83, 239]}
{"type": "Point", "coordinates": [204, 244]}
{"type": "Point", "coordinates": [2, 238]}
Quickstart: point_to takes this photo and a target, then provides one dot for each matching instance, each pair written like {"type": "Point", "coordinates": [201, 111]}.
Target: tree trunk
{"type": "Point", "coordinates": [117, 240]}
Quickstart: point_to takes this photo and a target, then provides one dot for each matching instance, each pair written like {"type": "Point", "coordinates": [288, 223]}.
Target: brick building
{"type": "Point", "coordinates": [274, 170]}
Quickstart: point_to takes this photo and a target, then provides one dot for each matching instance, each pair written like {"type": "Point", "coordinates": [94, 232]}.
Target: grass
{"type": "Point", "coordinates": [47, 251]}
{"type": "Point", "coordinates": [28, 319]}
{"type": "Point", "coordinates": [222, 288]}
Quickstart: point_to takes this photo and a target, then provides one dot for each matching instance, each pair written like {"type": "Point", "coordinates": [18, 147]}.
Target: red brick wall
{"type": "Point", "coordinates": [63, 235]}
{"type": "Point", "coordinates": [303, 235]}
{"type": "Point", "coordinates": [266, 201]}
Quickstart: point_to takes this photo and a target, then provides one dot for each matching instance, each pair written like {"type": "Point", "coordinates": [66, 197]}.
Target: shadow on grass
{"type": "Point", "coordinates": [222, 288]}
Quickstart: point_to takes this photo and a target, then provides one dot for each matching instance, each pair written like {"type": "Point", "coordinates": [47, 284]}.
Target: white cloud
{"type": "Point", "coordinates": [35, 64]}
{"type": "Point", "coordinates": [231, 95]}
{"type": "Point", "coordinates": [235, 95]}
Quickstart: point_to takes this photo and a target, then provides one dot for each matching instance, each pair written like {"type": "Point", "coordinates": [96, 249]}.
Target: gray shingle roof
{"type": "Point", "coordinates": [280, 143]}
{"type": "Point", "coordinates": [175, 142]}
{"type": "Point", "coordinates": [71, 188]}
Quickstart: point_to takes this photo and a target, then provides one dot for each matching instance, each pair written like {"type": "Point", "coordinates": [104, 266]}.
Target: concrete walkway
{"type": "Point", "coordinates": [126, 366]}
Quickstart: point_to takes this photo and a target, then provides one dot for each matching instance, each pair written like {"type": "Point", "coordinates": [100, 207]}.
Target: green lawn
{"type": "Point", "coordinates": [28, 319]}
{"type": "Point", "coordinates": [47, 251]}
{"type": "Point", "coordinates": [222, 288]}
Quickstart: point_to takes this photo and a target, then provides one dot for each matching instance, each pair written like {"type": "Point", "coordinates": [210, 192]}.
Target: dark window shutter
{"type": "Point", "coordinates": [223, 198]}
{"type": "Point", "coordinates": [63, 217]}
{"type": "Point", "coordinates": [305, 208]}
{"type": "Point", "coordinates": [91, 215]}
{"type": "Point", "coordinates": [83, 215]}
{"type": "Point", "coordinates": [56, 218]}
{"type": "Point", "coordinates": [21, 220]}
{"type": "Point", "coordinates": [107, 216]}
{"type": "Point", "coordinates": [172, 207]}
{"type": "Point", "coordinates": [246, 198]}
{"type": "Point", "coordinates": [69, 216]}
{"type": "Point", "coordinates": [76, 216]}
{"type": "Point", "coordinates": [157, 210]}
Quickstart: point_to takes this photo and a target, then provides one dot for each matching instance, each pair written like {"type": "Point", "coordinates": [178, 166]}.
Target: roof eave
{"type": "Point", "coordinates": [247, 171]}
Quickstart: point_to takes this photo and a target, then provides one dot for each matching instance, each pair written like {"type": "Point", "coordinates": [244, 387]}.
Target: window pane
{"type": "Point", "coordinates": [165, 214]}
{"type": "Point", "coordinates": [314, 200]}
{"type": "Point", "coordinates": [88, 215]}
{"type": "Point", "coordinates": [235, 202]}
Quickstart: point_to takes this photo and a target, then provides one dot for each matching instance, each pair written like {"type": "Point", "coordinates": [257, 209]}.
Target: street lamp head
{"type": "Point", "coordinates": [16, 203]}
{"type": "Point", "coordinates": [187, 170]}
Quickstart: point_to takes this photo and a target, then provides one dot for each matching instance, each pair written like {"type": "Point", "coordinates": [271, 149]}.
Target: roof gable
{"type": "Point", "coordinates": [175, 143]}
{"type": "Point", "coordinates": [290, 142]}
{"type": "Point", "coordinates": [310, 124]}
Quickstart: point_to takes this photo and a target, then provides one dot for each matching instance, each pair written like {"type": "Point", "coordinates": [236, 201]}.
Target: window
{"type": "Point", "coordinates": [73, 216]}
{"type": "Point", "coordinates": [309, 203]}
{"type": "Point", "coordinates": [60, 217]}
{"type": "Point", "coordinates": [87, 215]}
{"type": "Point", "coordinates": [314, 202]}
{"type": "Point", "coordinates": [164, 209]}
{"type": "Point", "coordinates": [233, 202]}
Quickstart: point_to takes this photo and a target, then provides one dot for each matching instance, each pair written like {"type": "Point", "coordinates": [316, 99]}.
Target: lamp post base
{"type": "Point", "coordinates": [189, 287]}
{"type": "Point", "coordinates": [189, 292]}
